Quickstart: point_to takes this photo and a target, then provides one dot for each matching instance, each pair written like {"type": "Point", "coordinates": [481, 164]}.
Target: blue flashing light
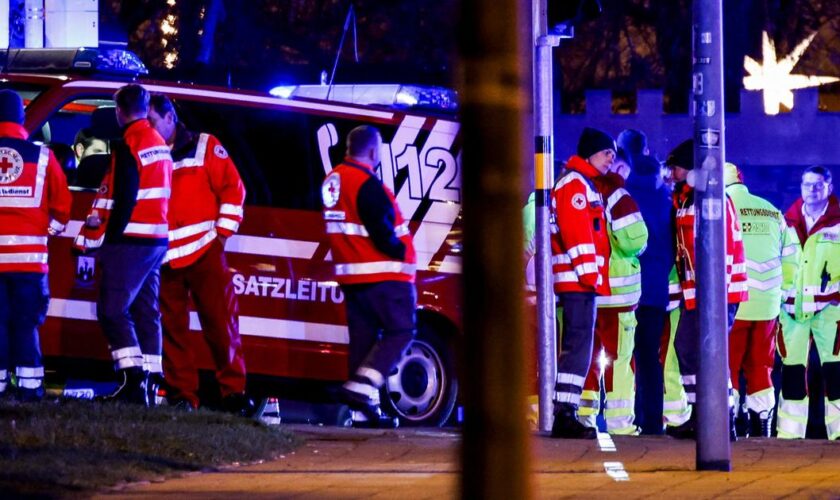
{"type": "Point", "coordinates": [283, 91]}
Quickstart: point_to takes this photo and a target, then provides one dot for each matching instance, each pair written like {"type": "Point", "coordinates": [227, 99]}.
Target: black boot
{"type": "Point", "coordinates": [239, 404]}
{"type": "Point", "coordinates": [567, 426]}
{"type": "Point", "coordinates": [687, 430]}
{"type": "Point", "coordinates": [761, 423]}
{"type": "Point", "coordinates": [132, 388]}
{"type": "Point", "coordinates": [374, 418]}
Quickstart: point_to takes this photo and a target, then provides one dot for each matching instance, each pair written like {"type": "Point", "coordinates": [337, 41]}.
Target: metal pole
{"type": "Point", "coordinates": [543, 182]}
{"type": "Point", "coordinates": [713, 451]}
{"type": "Point", "coordinates": [34, 24]}
{"type": "Point", "coordinates": [495, 91]}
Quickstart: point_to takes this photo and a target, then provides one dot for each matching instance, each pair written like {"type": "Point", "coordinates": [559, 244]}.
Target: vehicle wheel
{"type": "Point", "coordinates": [423, 387]}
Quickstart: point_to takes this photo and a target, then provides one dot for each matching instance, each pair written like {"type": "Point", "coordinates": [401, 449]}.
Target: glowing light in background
{"type": "Point", "coordinates": [169, 29]}
{"type": "Point", "coordinates": [774, 77]}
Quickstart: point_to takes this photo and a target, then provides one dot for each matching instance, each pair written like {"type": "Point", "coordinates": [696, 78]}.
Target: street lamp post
{"type": "Point", "coordinates": [713, 452]}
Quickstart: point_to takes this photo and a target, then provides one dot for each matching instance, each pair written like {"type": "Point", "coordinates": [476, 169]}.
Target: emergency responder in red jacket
{"type": "Point", "coordinates": [580, 249]}
{"type": "Point", "coordinates": [128, 222]}
{"type": "Point", "coordinates": [681, 159]}
{"type": "Point", "coordinates": [205, 209]}
{"type": "Point", "coordinates": [374, 264]}
{"type": "Point", "coordinates": [34, 204]}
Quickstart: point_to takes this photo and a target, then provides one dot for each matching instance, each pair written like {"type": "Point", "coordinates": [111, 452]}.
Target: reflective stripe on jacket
{"type": "Point", "coordinates": [765, 237]}
{"type": "Point", "coordinates": [628, 238]}
{"type": "Point", "coordinates": [356, 256]}
{"type": "Point", "coordinates": [580, 246]}
{"type": "Point", "coordinates": [817, 278]}
{"type": "Point", "coordinates": [686, 225]}
{"type": "Point", "coordinates": [207, 199]}
{"type": "Point", "coordinates": [34, 201]}
{"type": "Point", "coordinates": [148, 219]}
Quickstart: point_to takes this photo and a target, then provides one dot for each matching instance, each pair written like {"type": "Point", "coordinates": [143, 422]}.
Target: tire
{"type": "Point", "coordinates": [423, 387]}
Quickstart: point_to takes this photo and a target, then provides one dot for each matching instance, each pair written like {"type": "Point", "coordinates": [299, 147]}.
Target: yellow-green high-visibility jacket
{"type": "Point", "coordinates": [770, 248]}
{"type": "Point", "coordinates": [628, 239]}
{"type": "Point", "coordinates": [817, 279]}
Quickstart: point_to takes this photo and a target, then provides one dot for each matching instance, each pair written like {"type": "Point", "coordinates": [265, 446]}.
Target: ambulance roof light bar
{"type": "Point", "coordinates": [401, 96]}
{"type": "Point", "coordinates": [116, 62]}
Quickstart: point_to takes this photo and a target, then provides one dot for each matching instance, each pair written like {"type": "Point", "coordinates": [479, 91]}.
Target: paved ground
{"type": "Point", "coordinates": [420, 464]}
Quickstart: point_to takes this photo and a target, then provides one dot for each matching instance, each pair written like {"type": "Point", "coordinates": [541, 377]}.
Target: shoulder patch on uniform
{"type": "Point", "coordinates": [579, 201]}
{"type": "Point", "coordinates": [11, 165]}
{"type": "Point", "coordinates": [331, 189]}
{"type": "Point", "coordinates": [220, 151]}
{"type": "Point", "coordinates": [103, 189]}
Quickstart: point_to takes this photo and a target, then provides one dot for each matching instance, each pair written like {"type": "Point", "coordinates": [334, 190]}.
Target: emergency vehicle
{"type": "Point", "coordinates": [291, 310]}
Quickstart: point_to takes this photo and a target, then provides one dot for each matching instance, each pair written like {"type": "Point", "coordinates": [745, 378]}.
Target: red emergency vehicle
{"type": "Point", "coordinates": [292, 317]}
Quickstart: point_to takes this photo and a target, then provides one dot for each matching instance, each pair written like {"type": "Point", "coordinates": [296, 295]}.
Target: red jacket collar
{"type": "Point", "coordinates": [609, 183]}
{"type": "Point", "coordinates": [12, 129]}
{"type": "Point", "coordinates": [136, 126]}
{"type": "Point", "coordinates": [582, 167]}
{"type": "Point", "coordinates": [796, 220]}
{"type": "Point", "coordinates": [357, 164]}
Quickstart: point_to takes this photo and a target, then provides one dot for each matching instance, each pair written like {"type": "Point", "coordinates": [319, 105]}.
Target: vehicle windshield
{"type": "Point", "coordinates": [27, 92]}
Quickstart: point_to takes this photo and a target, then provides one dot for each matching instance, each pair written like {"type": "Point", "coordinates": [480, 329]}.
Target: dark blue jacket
{"type": "Point", "coordinates": [654, 200]}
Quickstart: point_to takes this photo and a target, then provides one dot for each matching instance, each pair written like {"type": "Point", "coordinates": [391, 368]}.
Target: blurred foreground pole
{"type": "Point", "coordinates": [713, 451]}
{"type": "Point", "coordinates": [495, 92]}
{"type": "Point", "coordinates": [543, 182]}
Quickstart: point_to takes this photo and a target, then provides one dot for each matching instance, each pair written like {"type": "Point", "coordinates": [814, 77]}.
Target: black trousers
{"type": "Point", "coordinates": [382, 322]}
{"type": "Point", "coordinates": [649, 370]}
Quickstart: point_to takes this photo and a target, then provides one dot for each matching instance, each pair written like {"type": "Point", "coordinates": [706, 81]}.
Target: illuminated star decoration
{"type": "Point", "coordinates": [774, 75]}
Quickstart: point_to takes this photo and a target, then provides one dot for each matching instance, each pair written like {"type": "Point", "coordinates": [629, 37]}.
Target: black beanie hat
{"type": "Point", "coordinates": [682, 155]}
{"type": "Point", "coordinates": [11, 107]}
{"type": "Point", "coordinates": [593, 141]}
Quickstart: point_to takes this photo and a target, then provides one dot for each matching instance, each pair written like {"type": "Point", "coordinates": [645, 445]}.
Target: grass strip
{"type": "Point", "coordinates": [59, 447]}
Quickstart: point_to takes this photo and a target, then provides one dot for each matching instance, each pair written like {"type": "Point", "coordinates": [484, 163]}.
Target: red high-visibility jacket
{"type": "Point", "coordinates": [148, 155]}
{"type": "Point", "coordinates": [34, 201]}
{"type": "Point", "coordinates": [580, 246]}
{"type": "Point", "coordinates": [207, 198]}
{"type": "Point", "coordinates": [359, 248]}
{"type": "Point", "coordinates": [736, 267]}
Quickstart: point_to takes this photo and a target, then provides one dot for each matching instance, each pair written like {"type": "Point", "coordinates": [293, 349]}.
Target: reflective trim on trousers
{"type": "Point", "coordinates": [567, 397]}
{"type": "Point", "coordinates": [832, 409]}
{"type": "Point", "coordinates": [571, 379]}
{"type": "Point", "coordinates": [365, 390]}
{"type": "Point", "coordinates": [794, 408]}
{"type": "Point", "coordinates": [373, 375]}
{"type": "Point", "coordinates": [126, 352]}
{"type": "Point", "coordinates": [614, 404]}
{"type": "Point", "coordinates": [790, 429]}
{"type": "Point", "coordinates": [152, 363]}
{"type": "Point", "coordinates": [761, 401]}
{"type": "Point", "coordinates": [30, 383]}
{"type": "Point", "coordinates": [29, 372]}
{"type": "Point", "coordinates": [621, 424]}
